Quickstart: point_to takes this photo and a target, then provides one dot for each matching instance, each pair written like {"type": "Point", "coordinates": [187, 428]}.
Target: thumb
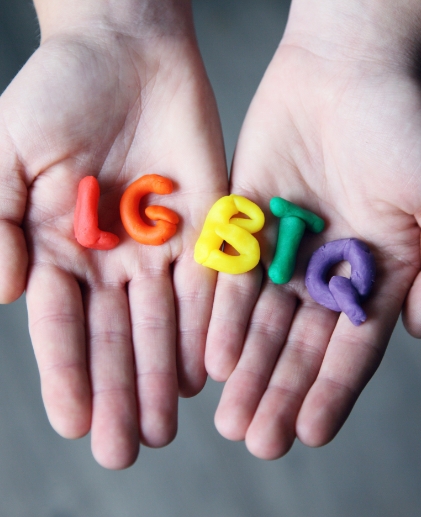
{"type": "Point", "coordinates": [411, 311]}
{"type": "Point", "coordinates": [13, 196]}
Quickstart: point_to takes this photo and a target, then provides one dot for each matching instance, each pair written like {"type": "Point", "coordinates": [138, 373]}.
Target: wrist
{"type": "Point", "coordinates": [133, 18]}
{"type": "Point", "coordinates": [383, 30]}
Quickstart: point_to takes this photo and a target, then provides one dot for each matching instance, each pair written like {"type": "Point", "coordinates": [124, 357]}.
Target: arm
{"type": "Point", "coordinates": [335, 128]}
{"type": "Point", "coordinates": [116, 90]}
{"type": "Point", "coordinates": [135, 18]}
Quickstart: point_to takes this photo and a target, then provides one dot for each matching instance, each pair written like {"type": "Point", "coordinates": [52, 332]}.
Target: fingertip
{"type": "Point", "coordinates": [411, 312]}
{"type": "Point", "coordinates": [115, 435]}
{"type": "Point", "coordinates": [13, 198]}
{"type": "Point", "coordinates": [160, 436]}
{"type": "Point", "coordinates": [77, 428]}
{"type": "Point", "coordinates": [158, 420]}
{"type": "Point", "coordinates": [227, 430]}
{"type": "Point", "coordinates": [13, 262]}
{"type": "Point", "coordinates": [264, 451]}
{"type": "Point", "coordinates": [116, 459]}
{"type": "Point", "coordinates": [229, 424]}
{"type": "Point", "coordinates": [319, 422]}
{"type": "Point", "coordinates": [412, 326]}
{"type": "Point", "coordinates": [158, 406]}
{"type": "Point", "coordinates": [190, 387]}
{"type": "Point", "coordinates": [311, 422]}
{"type": "Point", "coordinates": [411, 319]}
{"type": "Point", "coordinates": [191, 372]}
{"type": "Point", "coordinates": [271, 433]}
{"type": "Point", "coordinates": [311, 434]}
{"type": "Point", "coordinates": [67, 403]}
{"type": "Point", "coordinates": [217, 374]}
{"type": "Point", "coordinates": [269, 443]}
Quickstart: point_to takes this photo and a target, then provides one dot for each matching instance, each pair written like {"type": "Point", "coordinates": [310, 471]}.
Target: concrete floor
{"type": "Point", "coordinates": [373, 467]}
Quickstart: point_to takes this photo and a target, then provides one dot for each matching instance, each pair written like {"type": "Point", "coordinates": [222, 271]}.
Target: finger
{"type": "Point", "coordinates": [351, 359]}
{"type": "Point", "coordinates": [13, 195]}
{"type": "Point", "coordinates": [272, 430]}
{"type": "Point", "coordinates": [411, 314]}
{"type": "Point", "coordinates": [154, 333]}
{"type": "Point", "coordinates": [115, 433]}
{"type": "Point", "coordinates": [235, 297]}
{"type": "Point", "coordinates": [269, 325]}
{"type": "Point", "coordinates": [194, 287]}
{"type": "Point", "coordinates": [56, 325]}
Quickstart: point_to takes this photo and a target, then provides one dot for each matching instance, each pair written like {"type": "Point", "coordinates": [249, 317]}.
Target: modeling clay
{"type": "Point", "coordinates": [293, 222]}
{"type": "Point", "coordinates": [220, 226]}
{"type": "Point", "coordinates": [86, 218]}
{"type": "Point", "coordinates": [166, 219]}
{"type": "Point", "coordinates": [342, 294]}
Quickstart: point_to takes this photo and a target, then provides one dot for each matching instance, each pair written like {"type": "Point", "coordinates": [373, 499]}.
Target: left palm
{"type": "Point", "coordinates": [105, 325]}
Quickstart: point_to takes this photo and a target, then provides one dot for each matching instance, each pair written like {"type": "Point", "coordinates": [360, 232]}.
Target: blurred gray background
{"type": "Point", "coordinates": [373, 467]}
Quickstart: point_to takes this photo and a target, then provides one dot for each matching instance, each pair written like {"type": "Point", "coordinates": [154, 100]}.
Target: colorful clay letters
{"type": "Point", "coordinates": [166, 219]}
{"type": "Point", "coordinates": [86, 218]}
{"type": "Point", "coordinates": [340, 293]}
{"type": "Point", "coordinates": [221, 225]}
{"type": "Point", "coordinates": [293, 222]}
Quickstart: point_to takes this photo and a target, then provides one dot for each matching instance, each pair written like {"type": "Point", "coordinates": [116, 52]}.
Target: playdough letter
{"type": "Point", "coordinates": [86, 218]}
{"type": "Point", "coordinates": [220, 226]}
{"type": "Point", "coordinates": [166, 219]}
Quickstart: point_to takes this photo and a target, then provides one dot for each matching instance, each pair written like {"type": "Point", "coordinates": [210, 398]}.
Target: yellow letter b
{"type": "Point", "coordinates": [220, 226]}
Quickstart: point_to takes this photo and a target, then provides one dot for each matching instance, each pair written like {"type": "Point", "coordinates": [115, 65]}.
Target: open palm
{"type": "Point", "coordinates": [116, 332]}
{"type": "Point", "coordinates": [340, 137]}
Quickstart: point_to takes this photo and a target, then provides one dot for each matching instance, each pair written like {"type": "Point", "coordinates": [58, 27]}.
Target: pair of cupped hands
{"type": "Point", "coordinates": [119, 335]}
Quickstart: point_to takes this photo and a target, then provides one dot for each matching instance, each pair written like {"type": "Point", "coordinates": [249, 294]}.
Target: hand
{"type": "Point", "coordinates": [100, 100]}
{"type": "Point", "coordinates": [334, 127]}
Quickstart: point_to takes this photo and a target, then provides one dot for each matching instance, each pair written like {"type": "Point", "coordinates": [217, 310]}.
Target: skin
{"type": "Point", "coordinates": [116, 90]}
{"type": "Point", "coordinates": [334, 127]}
